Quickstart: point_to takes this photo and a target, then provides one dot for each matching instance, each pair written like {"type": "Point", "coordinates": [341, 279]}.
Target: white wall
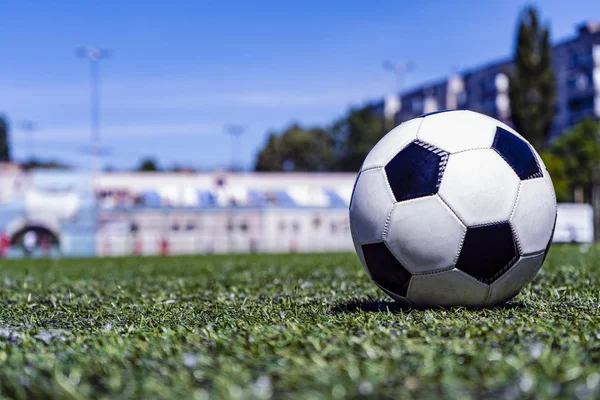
{"type": "Point", "coordinates": [263, 230]}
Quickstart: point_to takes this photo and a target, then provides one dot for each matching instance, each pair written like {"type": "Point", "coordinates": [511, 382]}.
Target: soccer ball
{"type": "Point", "coordinates": [452, 208]}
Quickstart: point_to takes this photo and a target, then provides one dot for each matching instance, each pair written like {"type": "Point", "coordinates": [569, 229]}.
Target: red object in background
{"type": "Point", "coordinates": [45, 245]}
{"type": "Point", "coordinates": [164, 247]}
{"type": "Point", "coordinates": [106, 248]}
{"type": "Point", "coordinates": [137, 247]}
{"type": "Point", "coordinates": [4, 244]}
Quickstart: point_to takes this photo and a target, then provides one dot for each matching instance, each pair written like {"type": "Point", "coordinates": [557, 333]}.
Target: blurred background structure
{"type": "Point", "coordinates": [94, 55]}
{"type": "Point", "coordinates": [309, 99]}
{"type": "Point", "coordinates": [81, 214]}
{"type": "Point", "coordinates": [485, 89]}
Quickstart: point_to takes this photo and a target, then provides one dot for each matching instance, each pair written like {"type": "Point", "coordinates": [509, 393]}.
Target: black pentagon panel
{"type": "Point", "coordinates": [416, 171]}
{"type": "Point", "coordinates": [517, 154]}
{"type": "Point", "coordinates": [432, 113]}
{"type": "Point", "coordinates": [488, 251]}
{"type": "Point", "coordinates": [385, 269]}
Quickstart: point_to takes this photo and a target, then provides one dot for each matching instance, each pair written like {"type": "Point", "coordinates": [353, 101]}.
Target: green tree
{"type": "Point", "coordinates": [296, 149]}
{"type": "Point", "coordinates": [532, 89]}
{"type": "Point", "coordinates": [579, 152]}
{"type": "Point", "coordinates": [148, 165]}
{"type": "Point", "coordinates": [556, 167]}
{"type": "Point", "coordinates": [40, 164]}
{"type": "Point", "coordinates": [354, 136]}
{"type": "Point", "coordinates": [4, 142]}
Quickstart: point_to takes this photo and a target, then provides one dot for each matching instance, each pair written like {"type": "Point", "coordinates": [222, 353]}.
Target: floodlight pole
{"type": "Point", "coordinates": [235, 131]}
{"type": "Point", "coordinates": [94, 55]}
{"type": "Point", "coordinates": [399, 69]}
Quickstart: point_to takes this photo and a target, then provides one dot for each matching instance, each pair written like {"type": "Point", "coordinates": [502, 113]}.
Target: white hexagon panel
{"type": "Point", "coordinates": [545, 173]}
{"type": "Point", "coordinates": [371, 203]}
{"type": "Point", "coordinates": [511, 283]}
{"type": "Point", "coordinates": [533, 219]}
{"type": "Point", "coordinates": [480, 187]}
{"type": "Point", "coordinates": [445, 289]}
{"type": "Point", "coordinates": [389, 145]}
{"type": "Point", "coordinates": [424, 234]}
{"type": "Point", "coordinates": [440, 129]}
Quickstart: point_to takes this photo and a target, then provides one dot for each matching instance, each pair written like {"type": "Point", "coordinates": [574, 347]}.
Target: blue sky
{"type": "Point", "coordinates": [181, 70]}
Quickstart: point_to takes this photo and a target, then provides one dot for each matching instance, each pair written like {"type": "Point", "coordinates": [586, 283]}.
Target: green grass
{"type": "Point", "coordinates": [307, 326]}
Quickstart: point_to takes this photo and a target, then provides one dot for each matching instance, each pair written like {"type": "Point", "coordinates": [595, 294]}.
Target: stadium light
{"type": "Point", "coordinates": [94, 55]}
{"type": "Point", "coordinates": [235, 131]}
{"type": "Point", "coordinates": [399, 69]}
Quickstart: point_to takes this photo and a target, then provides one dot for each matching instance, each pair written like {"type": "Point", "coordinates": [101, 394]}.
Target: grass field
{"type": "Point", "coordinates": [311, 326]}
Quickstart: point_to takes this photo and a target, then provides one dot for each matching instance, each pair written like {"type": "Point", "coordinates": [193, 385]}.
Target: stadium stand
{"type": "Point", "coordinates": [170, 213]}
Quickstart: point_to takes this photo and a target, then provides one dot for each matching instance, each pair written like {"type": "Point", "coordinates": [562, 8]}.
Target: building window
{"type": "Point", "coordinates": [487, 84]}
{"type": "Point", "coordinates": [581, 104]}
{"type": "Point", "coordinates": [461, 99]}
{"type": "Point", "coordinates": [489, 105]}
{"type": "Point", "coordinates": [580, 81]}
{"type": "Point", "coordinates": [416, 105]}
{"type": "Point", "coordinates": [316, 222]}
{"type": "Point", "coordinates": [581, 59]}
